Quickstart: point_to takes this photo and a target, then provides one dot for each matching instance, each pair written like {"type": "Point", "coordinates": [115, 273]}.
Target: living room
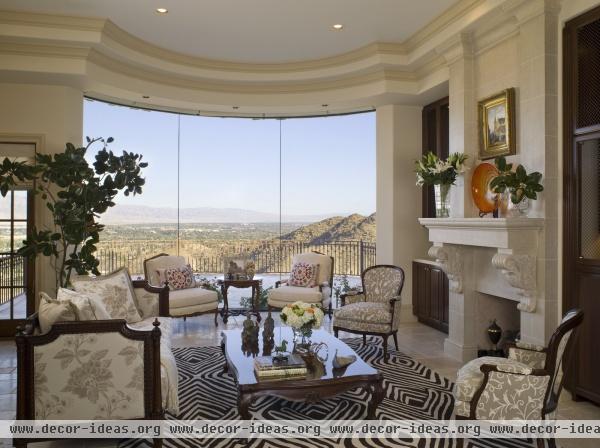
{"type": "Point", "coordinates": [456, 139]}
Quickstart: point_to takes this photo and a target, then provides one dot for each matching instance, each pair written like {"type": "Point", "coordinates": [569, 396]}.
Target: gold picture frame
{"type": "Point", "coordinates": [497, 125]}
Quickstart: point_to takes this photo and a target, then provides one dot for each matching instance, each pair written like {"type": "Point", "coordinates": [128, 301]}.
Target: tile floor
{"type": "Point", "coordinates": [419, 341]}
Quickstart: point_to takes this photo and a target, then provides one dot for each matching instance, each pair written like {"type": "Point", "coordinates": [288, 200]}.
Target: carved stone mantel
{"type": "Point", "coordinates": [514, 239]}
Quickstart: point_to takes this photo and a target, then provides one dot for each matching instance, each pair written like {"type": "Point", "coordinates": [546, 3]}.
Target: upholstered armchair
{"type": "Point", "coordinates": [526, 386]}
{"type": "Point", "coordinates": [186, 302]}
{"type": "Point", "coordinates": [284, 293]}
{"type": "Point", "coordinates": [376, 309]}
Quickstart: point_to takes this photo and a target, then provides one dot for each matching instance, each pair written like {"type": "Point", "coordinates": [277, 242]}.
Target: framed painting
{"type": "Point", "coordinates": [497, 125]}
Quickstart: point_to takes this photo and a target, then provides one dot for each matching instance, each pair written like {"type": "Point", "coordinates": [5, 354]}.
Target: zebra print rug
{"type": "Point", "coordinates": [412, 391]}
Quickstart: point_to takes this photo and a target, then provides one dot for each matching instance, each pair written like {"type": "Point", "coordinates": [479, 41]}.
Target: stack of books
{"type": "Point", "coordinates": [266, 369]}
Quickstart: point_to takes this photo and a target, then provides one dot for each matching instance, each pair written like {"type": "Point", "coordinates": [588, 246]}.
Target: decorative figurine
{"type": "Point", "coordinates": [339, 362]}
{"type": "Point", "coordinates": [494, 333]}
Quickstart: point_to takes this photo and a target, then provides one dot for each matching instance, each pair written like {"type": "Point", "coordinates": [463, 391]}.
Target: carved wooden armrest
{"type": "Point", "coordinates": [163, 295]}
{"type": "Point", "coordinates": [278, 283]}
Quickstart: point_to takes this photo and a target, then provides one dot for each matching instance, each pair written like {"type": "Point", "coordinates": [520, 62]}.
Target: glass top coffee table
{"type": "Point", "coordinates": [322, 380]}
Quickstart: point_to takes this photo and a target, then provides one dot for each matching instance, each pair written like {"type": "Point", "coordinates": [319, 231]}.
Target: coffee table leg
{"type": "Point", "coordinates": [377, 394]}
{"type": "Point", "coordinates": [244, 402]}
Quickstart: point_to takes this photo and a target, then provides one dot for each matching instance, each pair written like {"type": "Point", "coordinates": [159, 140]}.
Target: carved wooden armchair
{"type": "Point", "coordinates": [526, 386]}
{"type": "Point", "coordinates": [376, 309]}
{"type": "Point", "coordinates": [284, 294]}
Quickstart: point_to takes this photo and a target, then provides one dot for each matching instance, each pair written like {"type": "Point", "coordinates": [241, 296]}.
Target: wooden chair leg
{"type": "Point", "coordinates": [330, 310]}
{"type": "Point", "coordinates": [364, 339]}
{"type": "Point", "coordinates": [184, 318]}
{"type": "Point", "coordinates": [335, 332]}
{"type": "Point", "coordinates": [385, 348]}
{"type": "Point", "coordinates": [216, 315]}
{"type": "Point", "coordinates": [395, 334]}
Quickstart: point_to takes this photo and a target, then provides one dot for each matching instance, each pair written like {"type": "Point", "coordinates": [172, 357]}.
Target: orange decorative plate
{"type": "Point", "coordinates": [480, 187]}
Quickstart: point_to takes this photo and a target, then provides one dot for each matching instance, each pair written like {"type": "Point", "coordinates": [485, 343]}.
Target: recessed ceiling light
{"type": "Point", "coordinates": [162, 10]}
{"type": "Point", "coordinates": [337, 26]}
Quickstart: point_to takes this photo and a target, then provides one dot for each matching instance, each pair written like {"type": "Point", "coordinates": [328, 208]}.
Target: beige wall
{"type": "Point", "coordinates": [56, 114]}
{"type": "Point", "coordinates": [400, 237]}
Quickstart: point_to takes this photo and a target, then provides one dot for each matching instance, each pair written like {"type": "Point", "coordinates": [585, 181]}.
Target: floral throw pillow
{"type": "Point", "coordinates": [114, 291]}
{"type": "Point", "coordinates": [304, 275]}
{"type": "Point", "coordinates": [180, 278]}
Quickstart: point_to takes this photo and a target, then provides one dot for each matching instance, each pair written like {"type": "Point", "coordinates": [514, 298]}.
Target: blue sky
{"type": "Point", "coordinates": [328, 163]}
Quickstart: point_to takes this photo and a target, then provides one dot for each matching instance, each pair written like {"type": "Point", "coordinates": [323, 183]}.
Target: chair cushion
{"type": "Point", "coordinates": [165, 262]}
{"type": "Point", "coordinates": [364, 316]}
{"type": "Point", "coordinates": [182, 298]}
{"type": "Point", "coordinates": [114, 290]}
{"type": "Point", "coordinates": [51, 311]}
{"type": "Point", "coordinates": [324, 262]}
{"type": "Point", "coordinates": [291, 294]}
{"type": "Point", "coordinates": [85, 306]}
{"type": "Point", "coordinates": [180, 278]}
{"type": "Point", "coordinates": [470, 377]}
{"type": "Point", "coordinates": [304, 275]}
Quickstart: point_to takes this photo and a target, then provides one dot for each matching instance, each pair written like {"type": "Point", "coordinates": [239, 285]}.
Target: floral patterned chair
{"type": "Point", "coordinates": [376, 309]}
{"type": "Point", "coordinates": [183, 301]}
{"type": "Point", "coordinates": [117, 368]}
{"type": "Point", "coordinates": [526, 386]}
{"type": "Point", "coordinates": [285, 293]}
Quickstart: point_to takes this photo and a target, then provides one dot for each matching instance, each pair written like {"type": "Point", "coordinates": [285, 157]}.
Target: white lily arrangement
{"type": "Point", "coordinates": [431, 170]}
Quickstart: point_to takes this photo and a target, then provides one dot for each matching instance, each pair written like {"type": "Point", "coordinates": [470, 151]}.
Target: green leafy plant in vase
{"type": "Point", "coordinates": [442, 174]}
{"type": "Point", "coordinates": [515, 187]}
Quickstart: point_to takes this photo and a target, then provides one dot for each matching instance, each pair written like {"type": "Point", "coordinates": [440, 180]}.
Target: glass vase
{"type": "Point", "coordinates": [507, 209]}
{"type": "Point", "coordinates": [442, 200]}
{"type": "Point", "coordinates": [302, 336]}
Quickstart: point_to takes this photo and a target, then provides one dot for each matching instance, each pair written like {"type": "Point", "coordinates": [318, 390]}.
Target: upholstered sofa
{"type": "Point", "coordinates": [99, 369]}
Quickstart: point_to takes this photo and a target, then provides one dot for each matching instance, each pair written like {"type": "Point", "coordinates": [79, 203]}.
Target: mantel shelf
{"type": "Point", "coordinates": [501, 233]}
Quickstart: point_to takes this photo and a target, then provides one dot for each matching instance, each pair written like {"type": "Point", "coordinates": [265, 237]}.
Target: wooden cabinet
{"type": "Point", "coordinates": [430, 295]}
{"type": "Point", "coordinates": [581, 206]}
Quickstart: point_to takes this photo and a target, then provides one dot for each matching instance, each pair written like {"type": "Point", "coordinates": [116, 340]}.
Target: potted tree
{"type": "Point", "coordinates": [76, 194]}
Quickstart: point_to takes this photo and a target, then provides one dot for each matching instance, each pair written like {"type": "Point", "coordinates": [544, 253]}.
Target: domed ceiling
{"type": "Point", "coordinates": [254, 31]}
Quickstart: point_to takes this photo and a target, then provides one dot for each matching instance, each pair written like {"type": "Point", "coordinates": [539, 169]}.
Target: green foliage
{"type": "Point", "coordinates": [212, 285]}
{"type": "Point", "coordinates": [518, 182]}
{"type": "Point", "coordinates": [76, 195]}
{"type": "Point", "coordinates": [246, 302]}
{"type": "Point", "coordinates": [431, 170]}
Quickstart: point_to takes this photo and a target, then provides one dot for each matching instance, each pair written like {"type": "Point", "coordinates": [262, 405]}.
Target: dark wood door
{"type": "Point", "coordinates": [435, 123]}
{"type": "Point", "coordinates": [581, 259]}
{"type": "Point", "coordinates": [430, 295]}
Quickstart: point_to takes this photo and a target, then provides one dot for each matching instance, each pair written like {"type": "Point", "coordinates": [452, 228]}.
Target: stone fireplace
{"type": "Point", "coordinates": [492, 267]}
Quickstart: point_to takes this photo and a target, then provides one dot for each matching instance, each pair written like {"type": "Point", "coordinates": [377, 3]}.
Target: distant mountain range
{"type": "Point", "coordinates": [136, 214]}
{"type": "Point", "coordinates": [338, 228]}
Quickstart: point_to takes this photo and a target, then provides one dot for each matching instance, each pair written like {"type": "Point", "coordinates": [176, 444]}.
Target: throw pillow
{"type": "Point", "coordinates": [304, 275]}
{"type": "Point", "coordinates": [86, 307]}
{"type": "Point", "coordinates": [51, 311]}
{"type": "Point", "coordinates": [180, 278]}
{"type": "Point", "coordinates": [114, 291]}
